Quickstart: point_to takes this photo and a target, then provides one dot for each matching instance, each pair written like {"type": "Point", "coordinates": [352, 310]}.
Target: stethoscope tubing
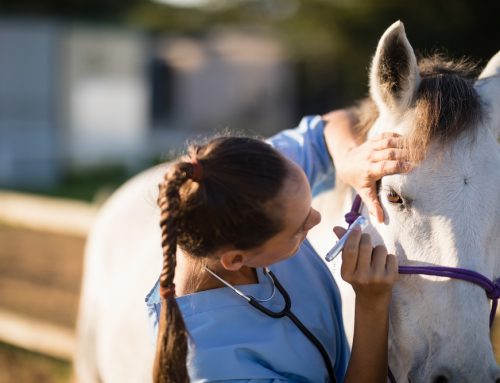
{"type": "Point", "coordinates": [286, 311]}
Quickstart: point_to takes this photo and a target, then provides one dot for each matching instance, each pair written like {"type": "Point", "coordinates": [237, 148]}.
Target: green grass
{"type": "Point", "coordinates": [85, 185]}
{"type": "Point", "coordinates": [21, 366]}
{"type": "Point", "coordinates": [91, 184]}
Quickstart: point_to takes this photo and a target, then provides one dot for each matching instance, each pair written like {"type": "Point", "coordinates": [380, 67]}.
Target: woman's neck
{"type": "Point", "coordinates": [191, 276]}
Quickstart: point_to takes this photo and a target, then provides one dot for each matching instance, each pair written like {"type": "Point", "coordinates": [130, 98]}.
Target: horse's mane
{"type": "Point", "coordinates": [445, 105]}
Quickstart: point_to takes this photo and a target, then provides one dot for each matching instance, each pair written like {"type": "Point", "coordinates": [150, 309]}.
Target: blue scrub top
{"type": "Point", "coordinates": [232, 341]}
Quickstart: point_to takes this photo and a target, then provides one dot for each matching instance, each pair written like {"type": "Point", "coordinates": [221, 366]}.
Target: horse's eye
{"type": "Point", "coordinates": [394, 197]}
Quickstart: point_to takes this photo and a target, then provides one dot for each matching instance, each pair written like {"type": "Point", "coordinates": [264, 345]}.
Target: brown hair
{"type": "Point", "coordinates": [217, 196]}
{"type": "Point", "coordinates": [446, 105]}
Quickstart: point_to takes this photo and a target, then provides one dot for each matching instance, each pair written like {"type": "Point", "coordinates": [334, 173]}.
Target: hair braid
{"type": "Point", "coordinates": [214, 197]}
{"type": "Point", "coordinates": [172, 348]}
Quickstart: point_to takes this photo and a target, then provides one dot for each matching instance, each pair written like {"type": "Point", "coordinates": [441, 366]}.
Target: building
{"type": "Point", "coordinates": [77, 96]}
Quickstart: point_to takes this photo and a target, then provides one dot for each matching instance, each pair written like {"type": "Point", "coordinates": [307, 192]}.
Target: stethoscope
{"type": "Point", "coordinates": [285, 312]}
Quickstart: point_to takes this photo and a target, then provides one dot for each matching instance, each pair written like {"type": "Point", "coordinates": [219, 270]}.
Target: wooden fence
{"type": "Point", "coordinates": [41, 252]}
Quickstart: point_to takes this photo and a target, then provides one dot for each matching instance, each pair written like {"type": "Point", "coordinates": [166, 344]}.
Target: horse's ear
{"type": "Point", "coordinates": [394, 76]}
{"type": "Point", "coordinates": [488, 87]}
{"type": "Point", "coordinates": [492, 68]}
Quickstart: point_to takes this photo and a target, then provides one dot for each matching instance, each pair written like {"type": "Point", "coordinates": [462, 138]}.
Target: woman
{"type": "Point", "coordinates": [236, 207]}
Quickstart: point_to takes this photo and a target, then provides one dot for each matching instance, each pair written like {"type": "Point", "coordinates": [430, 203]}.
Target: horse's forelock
{"type": "Point", "coordinates": [446, 105]}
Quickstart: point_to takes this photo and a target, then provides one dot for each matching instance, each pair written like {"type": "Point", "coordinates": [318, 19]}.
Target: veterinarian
{"type": "Point", "coordinates": [242, 295]}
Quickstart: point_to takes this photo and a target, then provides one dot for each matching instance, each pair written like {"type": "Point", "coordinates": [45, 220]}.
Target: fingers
{"type": "Point", "coordinates": [364, 265]}
{"type": "Point", "coordinates": [385, 168]}
{"type": "Point", "coordinates": [387, 141]}
{"type": "Point", "coordinates": [379, 261]}
{"type": "Point", "coordinates": [388, 154]}
{"type": "Point", "coordinates": [370, 199]}
{"type": "Point", "coordinates": [364, 254]}
{"type": "Point", "coordinates": [339, 231]}
{"type": "Point", "coordinates": [387, 135]}
{"type": "Point", "coordinates": [391, 266]}
{"type": "Point", "coordinates": [350, 255]}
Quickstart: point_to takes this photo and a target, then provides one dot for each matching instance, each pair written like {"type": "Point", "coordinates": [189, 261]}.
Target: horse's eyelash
{"type": "Point", "coordinates": [389, 189]}
{"type": "Point", "coordinates": [406, 200]}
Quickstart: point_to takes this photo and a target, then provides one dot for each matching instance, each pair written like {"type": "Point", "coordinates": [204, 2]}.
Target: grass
{"type": "Point", "coordinates": [92, 184]}
{"type": "Point", "coordinates": [21, 366]}
{"type": "Point", "coordinates": [85, 185]}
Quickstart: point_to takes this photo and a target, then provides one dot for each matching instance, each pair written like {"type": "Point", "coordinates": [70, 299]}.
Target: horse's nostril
{"type": "Point", "coordinates": [442, 379]}
{"type": "Point", "coordinates": [497, 381]}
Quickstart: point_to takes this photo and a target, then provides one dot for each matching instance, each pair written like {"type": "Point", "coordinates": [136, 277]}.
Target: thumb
{"type": "Point", "coordinates": [339, 231]}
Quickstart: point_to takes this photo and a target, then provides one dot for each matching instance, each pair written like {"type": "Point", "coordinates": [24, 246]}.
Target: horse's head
{"type": "Point", "coordinates": [445, 212]}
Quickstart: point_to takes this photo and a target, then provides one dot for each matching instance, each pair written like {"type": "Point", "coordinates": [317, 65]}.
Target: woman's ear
{"type": "Point", "coordinates": [232, 260]}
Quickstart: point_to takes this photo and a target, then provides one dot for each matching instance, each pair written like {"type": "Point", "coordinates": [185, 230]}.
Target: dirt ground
{"type": "Point", "coordinates": [19, 366]}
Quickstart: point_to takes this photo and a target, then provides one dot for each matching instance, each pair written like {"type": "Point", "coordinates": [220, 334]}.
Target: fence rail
{"type": "Point", "coordinates": [41, 253]}
{"type": "Point", "coordinates": [62, 216]}
{"type": "Point", "coordinates": [36, 335]}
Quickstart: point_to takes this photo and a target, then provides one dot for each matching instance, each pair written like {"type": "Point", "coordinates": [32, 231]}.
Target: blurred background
{"type": "Point", "coordinates": [94, 91]}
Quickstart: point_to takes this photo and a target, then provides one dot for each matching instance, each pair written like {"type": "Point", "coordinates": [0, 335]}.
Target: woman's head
{"type": "Point", "coordinates": [297, 217]}
{"type": "Point", "coordinates": [229, 193]}
{"type": "Point", "coordinates": [228, 204]}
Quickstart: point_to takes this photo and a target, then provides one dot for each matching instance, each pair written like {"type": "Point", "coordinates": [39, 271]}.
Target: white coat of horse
{"type": "Point", "coordinates": [445, 212]}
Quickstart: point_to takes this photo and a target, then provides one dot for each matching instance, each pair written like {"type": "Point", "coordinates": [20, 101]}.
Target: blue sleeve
{"type": "Point", "coordinates": [153, 303]}
{"type": "Point", "coordinates": [305, 145]}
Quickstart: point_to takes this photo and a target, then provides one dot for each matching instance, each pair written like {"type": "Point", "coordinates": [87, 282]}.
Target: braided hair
{"type": "Point", "coordinates": [218, 195]}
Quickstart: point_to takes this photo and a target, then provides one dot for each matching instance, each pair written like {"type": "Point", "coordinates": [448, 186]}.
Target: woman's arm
{"type": "Point", "coordinates": [368, 362]}
{"type": "Point", "coordinates": [305, 145]}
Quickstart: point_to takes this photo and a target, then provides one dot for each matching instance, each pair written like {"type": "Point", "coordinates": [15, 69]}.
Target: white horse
{"type": "Point", "coordinates": [446, 212]}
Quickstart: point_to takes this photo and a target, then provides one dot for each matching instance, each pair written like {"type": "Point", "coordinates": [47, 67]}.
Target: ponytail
{"type": "Point", "coordinates": [171, 350]}
{"type": "Point", "coordinates": [217, 197]}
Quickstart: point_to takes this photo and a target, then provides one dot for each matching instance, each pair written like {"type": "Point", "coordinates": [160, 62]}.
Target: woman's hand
{"type": "Point", "coordinates": [371, 271]}
{"type": "Point", "coordinates": [362, 164]}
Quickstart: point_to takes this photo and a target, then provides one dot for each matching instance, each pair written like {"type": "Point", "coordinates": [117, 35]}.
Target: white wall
{"type": "Point", "coordinates": [242, 81]}
{"type": "Point", "coordinates": [29, 147]}
{"type": "Point", "coordinates": [106, 95]}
